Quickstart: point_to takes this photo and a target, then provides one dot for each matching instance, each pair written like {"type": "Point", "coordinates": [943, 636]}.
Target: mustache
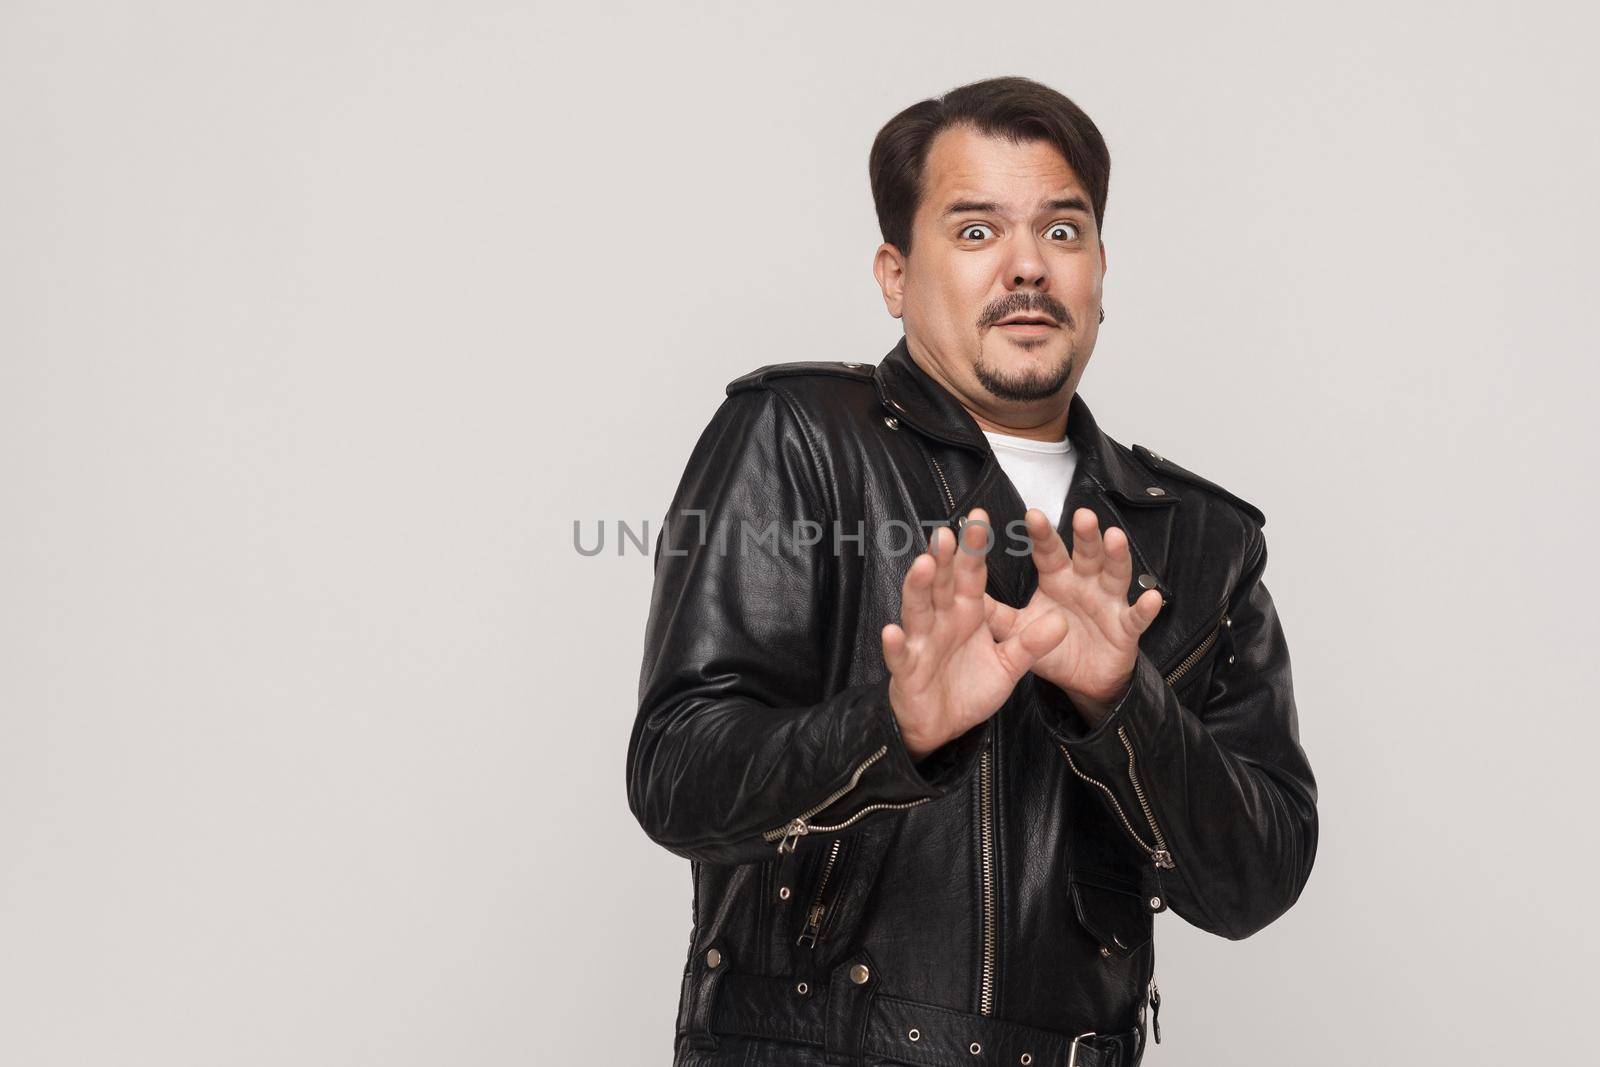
{"type": "Point", "coordinates": [1015, 303]}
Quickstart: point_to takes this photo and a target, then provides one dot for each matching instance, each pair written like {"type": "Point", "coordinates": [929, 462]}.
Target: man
{"type": "Point", "coordinates": [933, 802]}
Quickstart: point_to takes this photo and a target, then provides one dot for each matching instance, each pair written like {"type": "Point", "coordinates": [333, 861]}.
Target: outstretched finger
{"type": "Point", "coordinates": [1118, 570]}
{"type": "Point", "coordinates": [1088, 554]}
{"type": "Point", "coordinates": [895, 655]}
{"type": "Point", "coordinates": [916, 595]}
{"type": "Point", "coordinates": [972, 564]}
{"type": "Point", "coordinates": [944, 578]}
{"type": "Point", "coordinates": [1049, 551]}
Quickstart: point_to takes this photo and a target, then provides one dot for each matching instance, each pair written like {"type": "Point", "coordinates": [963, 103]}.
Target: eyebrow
{"type": "Point", "coordinates": [1069, 203]}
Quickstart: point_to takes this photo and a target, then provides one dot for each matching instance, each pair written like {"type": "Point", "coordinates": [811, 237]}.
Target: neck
{"type": "Point", "coordinates": [1040, 420]}
{"type": "Point", "coordinates": [1053, 429]}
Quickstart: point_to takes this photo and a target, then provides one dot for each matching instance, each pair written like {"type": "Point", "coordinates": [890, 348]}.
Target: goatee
{"type": "Point", "coordinates": [1027, 386]}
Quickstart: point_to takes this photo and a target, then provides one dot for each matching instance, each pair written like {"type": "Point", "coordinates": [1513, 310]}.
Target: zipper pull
{"type": "Point", "coordinates": [1155, 1009]}
{"type": "Point", "coordinates": [1163, 859]}
{"type": "Point", "coordinates": [808, 936]}
{"type": "Point", "coordinates": [792, 834]}
{"type": "Point", "coordinates": [783, 875]}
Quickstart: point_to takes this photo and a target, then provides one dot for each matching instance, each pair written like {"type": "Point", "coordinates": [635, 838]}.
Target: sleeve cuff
{"type": "Point", "coordinates": [1135, 709]}
{"type": "Point", "coordinates": [895, 778]}
{"type": "Point", "coordinates": [940, 769]}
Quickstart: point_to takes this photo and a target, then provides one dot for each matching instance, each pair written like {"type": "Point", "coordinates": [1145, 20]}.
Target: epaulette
{"type": "Point", "coordinates": [1162, 465]}
{"type": "Point", "coordinates": [761, 375]}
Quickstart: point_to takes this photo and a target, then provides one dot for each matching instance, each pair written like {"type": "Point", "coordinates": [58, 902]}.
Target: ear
{"type": "Point", "coordinates": [1102, 259]}
{"type": "Point", "coordinates": [889, 267]}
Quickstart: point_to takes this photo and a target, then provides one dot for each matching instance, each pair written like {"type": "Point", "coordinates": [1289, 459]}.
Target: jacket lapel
{"type": "Point", "coordinates": [1109, 480]}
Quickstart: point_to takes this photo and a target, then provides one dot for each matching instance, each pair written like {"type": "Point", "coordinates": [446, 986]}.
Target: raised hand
{"type": "Point", "coordinates": [1093, 664]}
{"type": "Point", "coordinates": [948, 671]}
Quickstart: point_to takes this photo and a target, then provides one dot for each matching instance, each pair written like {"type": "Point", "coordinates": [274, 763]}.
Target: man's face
{"type": "Point", "coordinates": [1002, 230]}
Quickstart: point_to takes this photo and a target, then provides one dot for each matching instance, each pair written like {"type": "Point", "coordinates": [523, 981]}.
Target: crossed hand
{"type": "Point", "coordinates": [957, 653]}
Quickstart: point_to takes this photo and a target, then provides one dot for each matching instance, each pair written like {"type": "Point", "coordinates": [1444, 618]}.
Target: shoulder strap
{"type": "Point", "coordinates": [1162, 465]}
{"type": "Point", "coordinates": [761, 375]}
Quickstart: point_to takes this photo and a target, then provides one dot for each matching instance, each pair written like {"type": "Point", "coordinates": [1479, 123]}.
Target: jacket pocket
{"type": "Point", "coordinates": [821, 891]}
{"type": "Point", "coordinates": [1113, 909]}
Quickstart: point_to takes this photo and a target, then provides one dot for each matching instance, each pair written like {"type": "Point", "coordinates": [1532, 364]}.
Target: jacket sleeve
{"type": "Point", "coordinates": [735, 736]}
{"type": "Point", "coordinates": [1227, 789]}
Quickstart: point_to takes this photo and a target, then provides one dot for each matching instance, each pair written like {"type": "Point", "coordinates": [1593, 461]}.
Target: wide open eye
{"type": "Point", "coordinates": [966, 230]}
{"type": "Point", "coordinates": [1070, 228]}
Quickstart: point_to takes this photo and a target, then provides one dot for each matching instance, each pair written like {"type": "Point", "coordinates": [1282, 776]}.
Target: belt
{"type": "Point", "coordinates": [852, 1021]}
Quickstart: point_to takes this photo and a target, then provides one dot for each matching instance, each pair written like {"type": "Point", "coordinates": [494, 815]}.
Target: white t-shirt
{"type": "Point", "coordinates": [1041, 471]}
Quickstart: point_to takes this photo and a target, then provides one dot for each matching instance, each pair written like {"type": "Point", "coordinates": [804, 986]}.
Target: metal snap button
{"type": "Point", "coordinates": [1155, 490]}
{"type": "Point", "coordinates": [1027, 1058]}
{"type": "Point", "coordinates": [859, 974]}
{"type": "Point", "coordinates": [974, 1048]}
{"type": "Point", "coordinates": [1147, 581]}
{"type": "Point", "coordinates": [783, 892]}
{"type": "Point", "coordinates": [1155, 902]}
{"type": "Point", "coordinates": [914, 1034]}
{"type": "Point", "coordinates": [891, 422]}
{"type": "Point", "coordinates": [713, 958]}
{"type": "Point", "coordinates": [802, 989]}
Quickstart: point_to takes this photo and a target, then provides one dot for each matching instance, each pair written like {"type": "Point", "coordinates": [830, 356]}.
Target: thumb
{"type": "Point", "coordinates": [1022, 650]}
{"type": "Point", "coordinates": [1002, 617]}
{"type": "Point", "coordinates": [1143, 611]}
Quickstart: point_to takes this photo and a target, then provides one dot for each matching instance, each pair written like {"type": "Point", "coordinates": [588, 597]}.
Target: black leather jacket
{"type": "Point", "coordinates": [1013, 874]}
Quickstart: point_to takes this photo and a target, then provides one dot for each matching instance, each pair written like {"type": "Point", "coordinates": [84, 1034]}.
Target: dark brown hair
{"type": "Point", "coordinates": [1019, 109]}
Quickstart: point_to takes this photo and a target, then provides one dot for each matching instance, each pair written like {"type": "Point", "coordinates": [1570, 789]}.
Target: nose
{"type": "Point", "coordinates": [1026, 265]}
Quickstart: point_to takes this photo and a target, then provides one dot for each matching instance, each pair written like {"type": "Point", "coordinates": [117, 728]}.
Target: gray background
{"type": "Point", "coordinates": [322, 323]}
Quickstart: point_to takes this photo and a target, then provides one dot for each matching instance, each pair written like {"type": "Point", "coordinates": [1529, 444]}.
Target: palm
{"type": "Point", "coordinates": [974, 675]}
{"type": "Point", "coordinates": [948, 670]}
{"type": "Point", "coordinates": [1090, 589]}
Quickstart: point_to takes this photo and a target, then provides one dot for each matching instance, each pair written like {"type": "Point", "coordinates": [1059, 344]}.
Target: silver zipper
{"type": "Point", "coordinates": [985, 830]}
{"type": "Point", "coordinates": [1159, 853]}
{"type": "Point", "coordinates": [1199, 650]}
{"type": "Point", "coordinates": [819, 907]}
{"type": "Point", "coordinates": [949, 496]}
{"type": "Point", "coordinates": [986, 837]}
{"type": "Point", "coordinates": [788, 835]}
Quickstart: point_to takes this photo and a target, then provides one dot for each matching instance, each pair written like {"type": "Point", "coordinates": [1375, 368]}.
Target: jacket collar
{"type": "Point", "coordinates": [913, 395]}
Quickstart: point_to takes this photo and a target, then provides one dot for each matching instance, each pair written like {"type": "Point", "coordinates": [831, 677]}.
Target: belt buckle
{"type": "Point", "coordinates": [1072, 1056]}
